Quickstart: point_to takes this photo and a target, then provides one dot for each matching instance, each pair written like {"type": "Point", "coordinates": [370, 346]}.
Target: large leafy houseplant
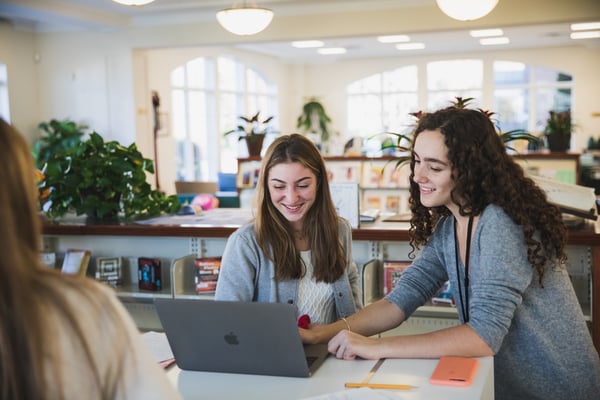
{"type": "Point", "coordinates": [103, 180]}
{"type": "Point", "coordinates": [253, 131]}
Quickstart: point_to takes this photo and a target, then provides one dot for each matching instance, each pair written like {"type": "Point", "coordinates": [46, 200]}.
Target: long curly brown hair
{"type": "Point", "coordinates": [484, 173]}
{"type": "Point", "coordinates": [274, 232]}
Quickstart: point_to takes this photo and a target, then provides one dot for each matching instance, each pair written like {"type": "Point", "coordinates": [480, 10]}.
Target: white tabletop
{"type": "Point", "coordinates": [330, 379]}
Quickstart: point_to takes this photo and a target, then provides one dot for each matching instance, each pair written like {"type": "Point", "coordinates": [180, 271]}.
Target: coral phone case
{"type": "Point", "coordinates": [454, 371]}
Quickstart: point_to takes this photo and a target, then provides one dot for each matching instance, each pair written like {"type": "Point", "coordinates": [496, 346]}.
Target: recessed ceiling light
{"type": "Point", "coordinates": [307, 44]}
{"type": "Point", "coordinates": [331, 50]}
{"type": "Point", "coordinates": [393, 39]}
{"type": "Point", "coordinates": [585, 26]}
{"type": "Point", "coordinates": [494, 41]}
{"type": "Point", "coordinates": [410, 46]}
{"type": "Point", "coordinates": [486, 33]}
{"type": "Point", "coordinates": [585, 35]}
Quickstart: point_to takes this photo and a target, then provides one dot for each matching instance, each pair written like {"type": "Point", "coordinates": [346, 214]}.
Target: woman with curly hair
{"type": "Point", "coordinates": [61, 336]}
{"type": "Point", "coordinates": [481, 223]}
{"type": "Point", "coordinates": [297, 250]}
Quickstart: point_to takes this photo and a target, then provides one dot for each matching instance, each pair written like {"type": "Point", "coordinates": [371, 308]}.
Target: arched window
{"type": "Point", "coordinates": [209, 95]}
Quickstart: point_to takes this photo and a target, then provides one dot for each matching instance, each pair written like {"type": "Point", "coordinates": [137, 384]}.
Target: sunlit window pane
{"type": "Point", "coordinates": [370, 84]}
{"type": "Point", "coordinates": [511, 108]}
{"type": "Point", "coordinates": [178, 77]}
{"type": "Point", "coordinates": [396, 112]}
{"type": "Point", "coordinates": [400, 80]}
{"type": "Point", "coordinates": [229, 106]}
{"type": "Point", "coordinates": [382, 102]}
{"type": "Point", "coordinates": [365, 115]}
{"type": "Point", "coordinates": [196, 73]}
{"type": "Point", "coordinates": [178, 122]}
{"type": "Point", "coordinates": [510, 73]}
{"type": "Point", "coordinates": [455, 75]}
{"type": "Point", "coordinates": [230, 74]}
{"type": "Point", "coordinates": [198, 135]}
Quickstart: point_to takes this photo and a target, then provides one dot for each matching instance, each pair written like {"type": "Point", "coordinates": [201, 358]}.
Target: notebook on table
{"type": "Point", "coordinates": [237, 337]}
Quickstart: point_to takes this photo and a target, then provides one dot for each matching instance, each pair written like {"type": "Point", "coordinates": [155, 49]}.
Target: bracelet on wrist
{"type": "Point", "coordinates": [347, 324]}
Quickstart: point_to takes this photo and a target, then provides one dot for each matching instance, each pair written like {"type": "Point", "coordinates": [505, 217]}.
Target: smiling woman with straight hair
{"type": "Point", "coordinates": [297, 250]}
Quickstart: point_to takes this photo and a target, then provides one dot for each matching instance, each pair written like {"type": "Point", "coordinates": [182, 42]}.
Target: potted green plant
{"type": "Point", "coordinates": [558, 130]}
{"type": "Point", "coordinates": [103, 180]}
{"type": "Point", "coordinates": [253, 131]}
{"type": "Point", "coordinates": [314, 119]}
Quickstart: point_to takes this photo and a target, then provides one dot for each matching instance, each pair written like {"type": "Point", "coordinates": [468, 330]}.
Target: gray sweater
{"type": "Point", "coordinates": [542, 344]}
{"type": "Point", "coordinates": [248, 275]}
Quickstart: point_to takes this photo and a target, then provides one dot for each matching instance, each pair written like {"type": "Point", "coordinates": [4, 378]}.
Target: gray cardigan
{"type": "Point", "coordinates": [542, 344]}
{"type": "Point", "coordinates": [247, 275]}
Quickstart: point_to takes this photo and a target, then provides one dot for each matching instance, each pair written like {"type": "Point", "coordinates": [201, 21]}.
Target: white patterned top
{"type": "Point", "coordinates": [315, 298]}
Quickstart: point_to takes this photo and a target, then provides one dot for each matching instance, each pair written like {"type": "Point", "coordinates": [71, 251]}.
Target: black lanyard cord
{"type": "Point", "coordinates": [464, 304]}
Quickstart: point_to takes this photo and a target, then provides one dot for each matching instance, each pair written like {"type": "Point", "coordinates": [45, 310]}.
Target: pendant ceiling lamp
{"type": "Point", "coordinates": [466, 10]}
{"type": "Point", "coordinates": [133, 2]}
{"type": "Point", "coordinates": [245, 20]}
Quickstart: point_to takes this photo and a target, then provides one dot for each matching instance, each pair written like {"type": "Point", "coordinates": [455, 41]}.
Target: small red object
{"type": "Point", "coordinates": [304, 321]}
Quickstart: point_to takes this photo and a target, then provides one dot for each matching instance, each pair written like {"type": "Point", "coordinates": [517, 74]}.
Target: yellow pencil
{"type": "Point", "coordinates": [378, 386]}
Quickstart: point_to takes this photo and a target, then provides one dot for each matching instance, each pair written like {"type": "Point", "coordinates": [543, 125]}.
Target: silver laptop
{"type": "Point", "coordinates": [237, 337]}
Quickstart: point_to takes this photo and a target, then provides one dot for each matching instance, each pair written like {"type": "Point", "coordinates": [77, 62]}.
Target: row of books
{"type": "Point", "coordinates": [393, 270]}
{"type": "Point", "coordinates": [109, 269]}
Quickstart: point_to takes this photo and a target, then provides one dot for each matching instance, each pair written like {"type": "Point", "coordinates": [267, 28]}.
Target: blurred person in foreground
{"type": "Point", "coordinates": [62, 336]}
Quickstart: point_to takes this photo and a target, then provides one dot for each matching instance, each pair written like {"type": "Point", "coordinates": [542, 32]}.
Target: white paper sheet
{"type": "Point", "coordinates": [158, 345]}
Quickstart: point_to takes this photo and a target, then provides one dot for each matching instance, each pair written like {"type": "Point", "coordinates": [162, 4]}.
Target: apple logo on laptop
{"type": "Point", "coordinates": [231, 338]}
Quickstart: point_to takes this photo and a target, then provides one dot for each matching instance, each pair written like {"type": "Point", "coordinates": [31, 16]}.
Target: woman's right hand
{"type": "Point", "coordinates": [348, 345]}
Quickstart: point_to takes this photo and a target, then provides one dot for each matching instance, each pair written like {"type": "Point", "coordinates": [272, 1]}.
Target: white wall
{"type": "Point", "coordinates": [18, 51]}
{"type": "Point", "coordinates": [88, 78]}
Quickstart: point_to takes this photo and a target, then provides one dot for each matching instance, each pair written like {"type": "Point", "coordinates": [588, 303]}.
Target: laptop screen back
{"type": "Point", "coordinates": [235, 337]}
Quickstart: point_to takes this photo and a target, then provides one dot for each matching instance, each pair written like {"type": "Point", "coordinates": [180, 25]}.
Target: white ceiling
{"type": "Point", "coordinates": [105, 16]}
